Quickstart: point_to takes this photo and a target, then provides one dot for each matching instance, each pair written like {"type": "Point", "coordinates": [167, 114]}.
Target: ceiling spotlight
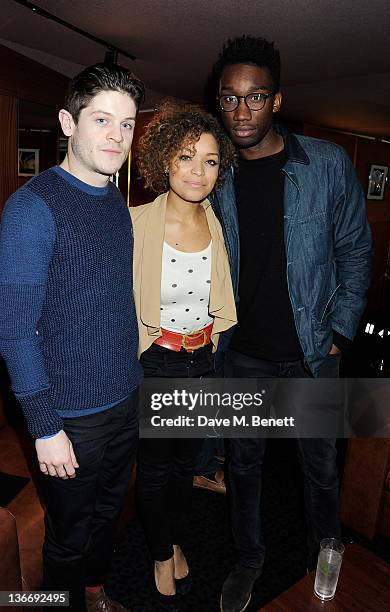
{"type": "Point", "coordinates": [111, 50]}
{"type": "Point", "coordinates": [111, 56]}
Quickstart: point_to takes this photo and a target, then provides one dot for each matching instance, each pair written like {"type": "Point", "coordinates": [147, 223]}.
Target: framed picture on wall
{"type": "Point", "coordinates": [377, 179]}
{"type": "Point", "coordinates": [28, 162]}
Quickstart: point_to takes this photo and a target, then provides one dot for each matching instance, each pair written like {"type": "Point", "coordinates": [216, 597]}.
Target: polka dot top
{"type": "Point", "coordinates": [185, 289]}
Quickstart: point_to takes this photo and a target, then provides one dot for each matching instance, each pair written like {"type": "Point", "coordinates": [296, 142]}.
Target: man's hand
{"type": "Point", "coordinates": [334, 350]}
{"type": "Point", "coordinates": [56, 456]}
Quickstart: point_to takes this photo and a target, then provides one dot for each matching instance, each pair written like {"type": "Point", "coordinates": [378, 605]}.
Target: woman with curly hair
{"type": "Point", "coordinates": [184, 301]}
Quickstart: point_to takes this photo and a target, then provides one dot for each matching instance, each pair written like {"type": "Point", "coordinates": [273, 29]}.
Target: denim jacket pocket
{"type": "Point", "coordinates": [317, 236]}
{"type": "Point", "coordinates": [322, 335]}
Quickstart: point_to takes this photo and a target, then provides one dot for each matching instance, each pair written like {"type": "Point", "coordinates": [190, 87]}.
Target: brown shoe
{"type": "Point", "coordinates": [216, 484]}
{"type": "Point", "coordinates": [100, 602]}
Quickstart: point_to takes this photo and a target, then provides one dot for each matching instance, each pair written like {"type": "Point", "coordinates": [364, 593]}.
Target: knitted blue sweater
{"type": "Point", "coordinates": [68, 328]}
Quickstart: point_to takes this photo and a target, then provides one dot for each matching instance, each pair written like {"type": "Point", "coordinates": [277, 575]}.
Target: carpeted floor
{"type": "Point", "coordinates": [209, 547]}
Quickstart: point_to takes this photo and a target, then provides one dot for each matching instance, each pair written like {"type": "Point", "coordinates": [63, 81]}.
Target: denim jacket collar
{"type": "Point", "coordinates": [294, 151]}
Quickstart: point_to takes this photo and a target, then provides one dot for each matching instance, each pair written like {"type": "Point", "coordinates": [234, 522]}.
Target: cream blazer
{"type": "Point", "coordinates": [149, 228]}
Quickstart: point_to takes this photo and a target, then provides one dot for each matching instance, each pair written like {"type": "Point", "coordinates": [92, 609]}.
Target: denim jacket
{"type": "Point", "coordinates": [327, 241]}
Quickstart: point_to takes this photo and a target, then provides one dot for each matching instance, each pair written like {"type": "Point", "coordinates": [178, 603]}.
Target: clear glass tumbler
{"type": "Point", "coordinates": [328, 568]}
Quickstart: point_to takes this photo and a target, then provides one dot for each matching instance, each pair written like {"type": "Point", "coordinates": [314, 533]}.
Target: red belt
{"type": "Point", "coordinates": [189, 342]}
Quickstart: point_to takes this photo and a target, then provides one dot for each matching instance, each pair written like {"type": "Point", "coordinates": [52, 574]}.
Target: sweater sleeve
{"type": "Point", "coordinates": [27, 237]}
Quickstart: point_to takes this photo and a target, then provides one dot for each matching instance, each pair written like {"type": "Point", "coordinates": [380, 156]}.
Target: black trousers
{"type": "Point", "coordinates": [166, 467]}
{"type": "Point", "coordinates": [81, 513]}
{"type": "Point", "coordinates": [318, 460]}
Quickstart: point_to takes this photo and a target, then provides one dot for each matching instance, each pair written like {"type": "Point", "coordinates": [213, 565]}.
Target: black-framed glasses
{"type": "Point", "coordinates": [255, 101]}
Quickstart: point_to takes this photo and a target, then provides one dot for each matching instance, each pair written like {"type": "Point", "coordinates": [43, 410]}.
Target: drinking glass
{"type": "Point", "coordinates": [328, 568]}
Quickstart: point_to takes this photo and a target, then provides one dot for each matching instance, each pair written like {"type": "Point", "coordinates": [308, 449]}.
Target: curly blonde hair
{"type": "Point", "coordinates": [174, 127]}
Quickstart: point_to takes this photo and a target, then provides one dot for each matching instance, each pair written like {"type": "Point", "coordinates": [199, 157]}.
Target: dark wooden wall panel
{"type": "Point", "coordinates": [374, 152]}
{"type": "Point", "coordinates": [138, 192]}
{"type": "Point", "coordinates": [46, 142]}
{"type": "Point", "coordinates": [363, 153]}
{"type": "Point", "coordinates": [347, 141]}
{"type": "Point", "coordinates": [8, 148]}
{"type": "Point", "coordinates": [21, 79]}
{"type": "Point", "coordinates": [26, 79]}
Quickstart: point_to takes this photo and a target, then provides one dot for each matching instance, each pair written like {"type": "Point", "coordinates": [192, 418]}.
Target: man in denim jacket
{"type": "Point", "coordinates": [296, 231]}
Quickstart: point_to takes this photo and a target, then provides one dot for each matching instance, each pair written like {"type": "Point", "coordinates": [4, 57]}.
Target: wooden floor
{"type": "Point", "coordinates": [364, 585]}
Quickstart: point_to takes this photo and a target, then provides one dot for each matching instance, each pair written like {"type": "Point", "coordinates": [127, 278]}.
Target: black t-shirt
{"type": "Point", "coordinates": [266, 328]}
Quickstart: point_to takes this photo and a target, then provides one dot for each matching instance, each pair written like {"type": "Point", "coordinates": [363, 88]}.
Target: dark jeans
{"type": "Point", "coordinates": [161, 362]}
{"type": "Point", "coordinates": [318, 460]}
{"type": "Point", "coordinates": [206, 461]}
{"type": "Point", "coordinates": [81, 513]}
{"type": "Point", "coordinates": [165, 467]}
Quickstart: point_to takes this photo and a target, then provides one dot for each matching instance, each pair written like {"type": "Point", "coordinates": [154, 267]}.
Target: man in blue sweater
{"type": "Point", "coordinates": [68, 330]}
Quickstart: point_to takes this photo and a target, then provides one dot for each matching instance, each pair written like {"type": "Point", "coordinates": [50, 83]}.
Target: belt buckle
{"type": "Point", "coordinates": [196, 346]}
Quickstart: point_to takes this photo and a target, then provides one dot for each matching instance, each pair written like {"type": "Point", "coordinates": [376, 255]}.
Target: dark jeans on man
{"type": "Point", "coordinates": [165, 467]}
{"type": "Point", "coordinates": [206, 461]}
{"type": "Point", "coordinates": [318, 460]}
{"type": "Point", "coordinates": [81, 512]}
